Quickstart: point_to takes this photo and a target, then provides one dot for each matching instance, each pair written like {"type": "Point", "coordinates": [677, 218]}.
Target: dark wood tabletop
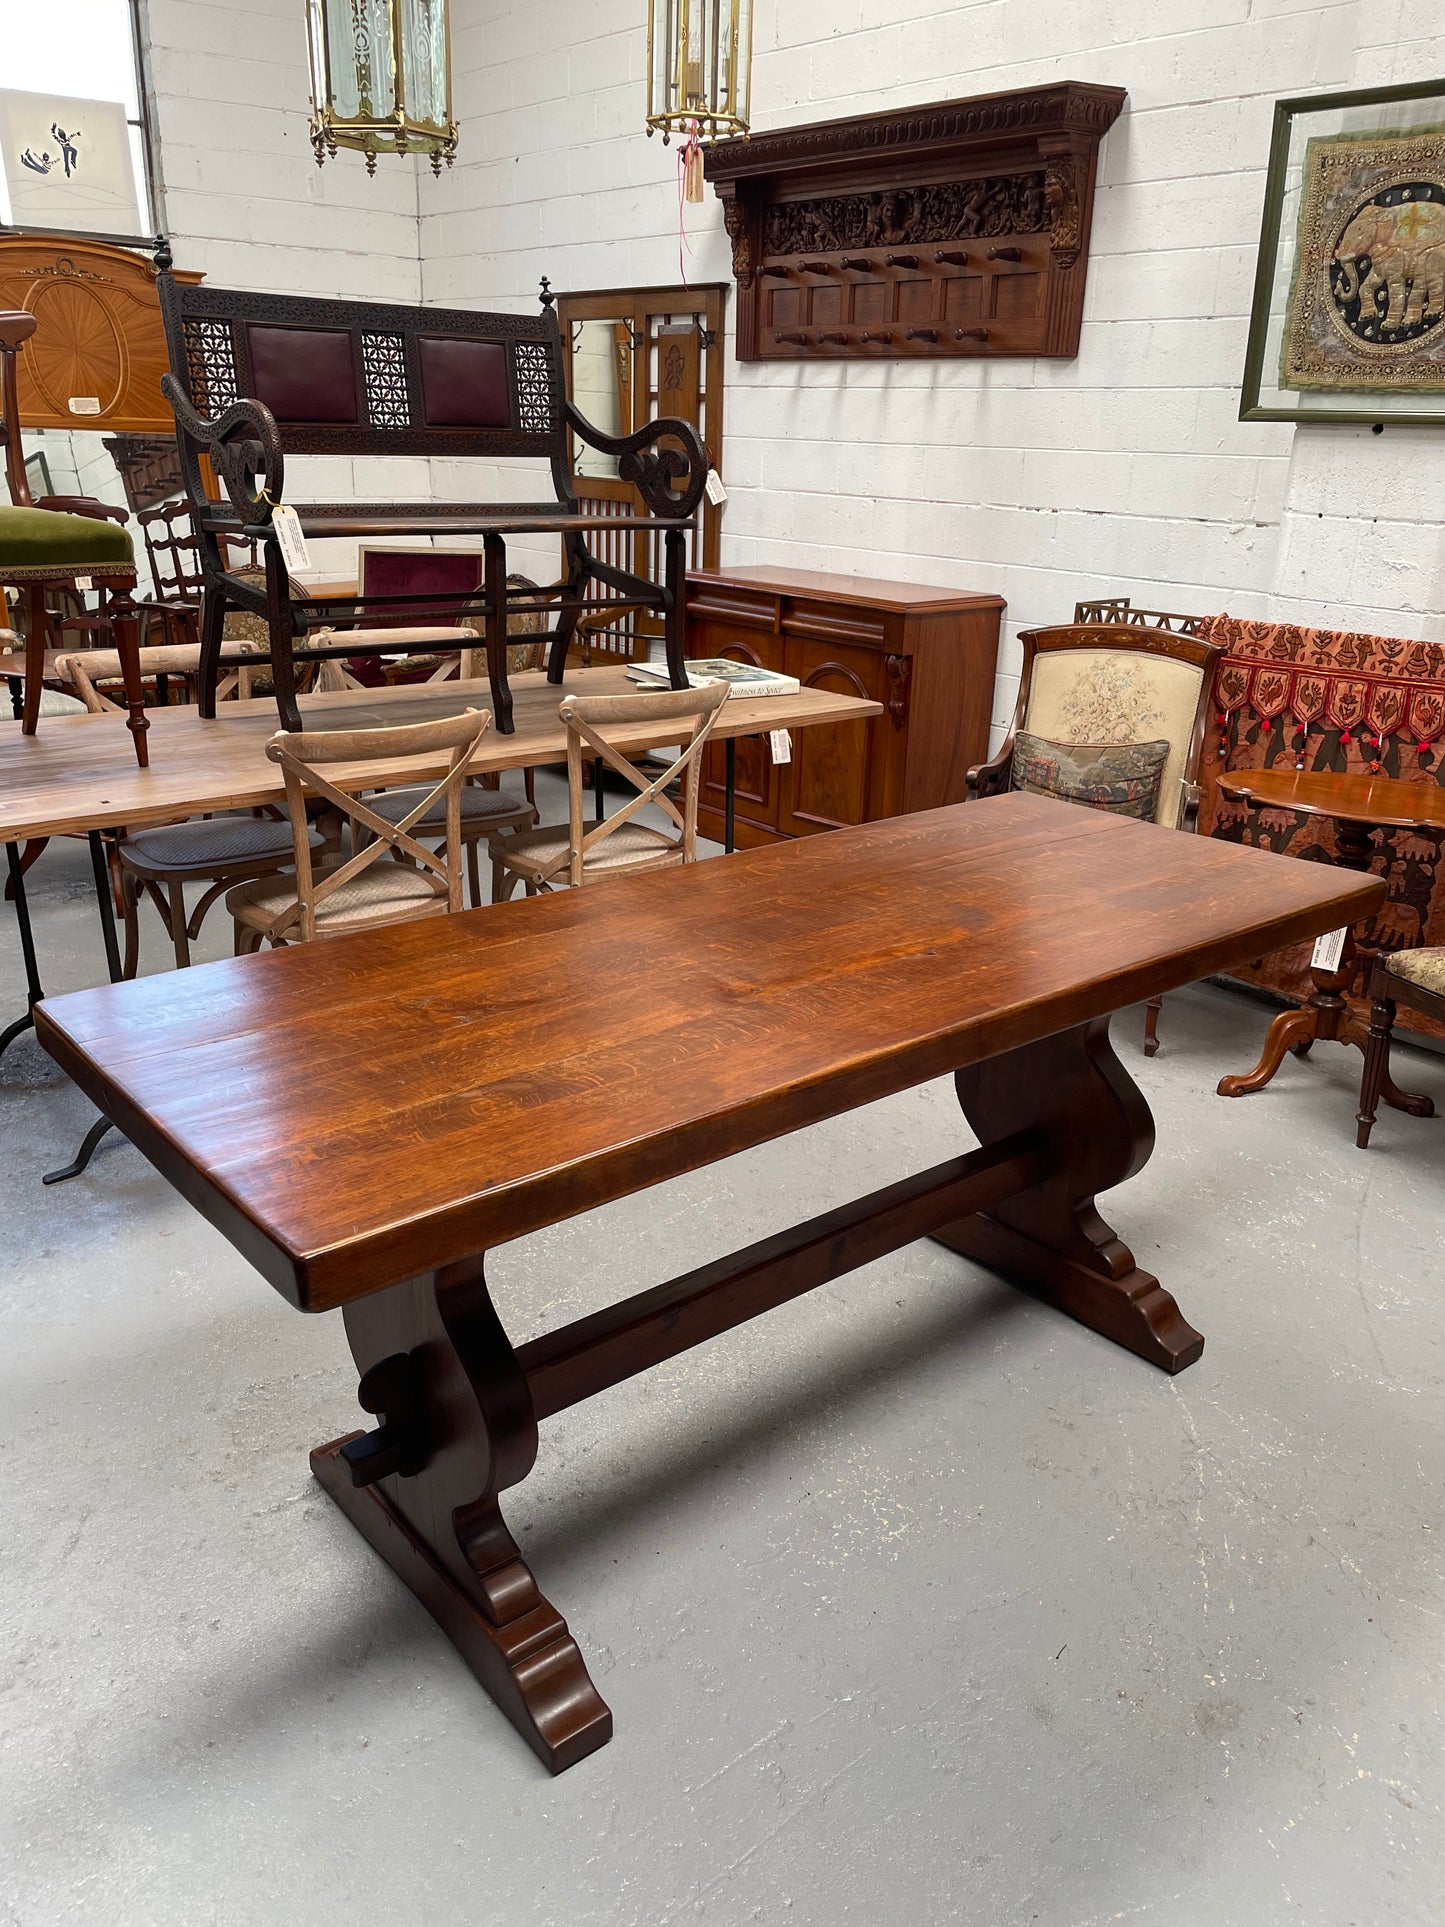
{"type": "Point", "coordinates": [1379, 801]}
{"type": "Point", "coordinates": [353, 1111]}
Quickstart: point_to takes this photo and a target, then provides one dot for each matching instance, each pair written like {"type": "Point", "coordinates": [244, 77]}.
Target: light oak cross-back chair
{"type": "Point", "coordinates": [368, 890]}
{"type": "Point", "coordinates": [1114, 684]}
{"type": "Point", "coordinates": [556, 856]}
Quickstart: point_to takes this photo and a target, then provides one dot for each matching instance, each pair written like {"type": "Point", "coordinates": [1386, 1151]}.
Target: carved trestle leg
{"type": "Point", "coordinates": [458, 1429]}
{"type": "Point", "coordinates": [1050, 1239]}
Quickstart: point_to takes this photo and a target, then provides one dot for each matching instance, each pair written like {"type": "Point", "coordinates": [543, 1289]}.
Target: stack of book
{"type": "Point", "coordinates": [742, 678]}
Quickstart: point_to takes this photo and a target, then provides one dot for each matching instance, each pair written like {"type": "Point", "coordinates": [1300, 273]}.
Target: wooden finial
{"type": "Point", "coordinates": [546, 297]}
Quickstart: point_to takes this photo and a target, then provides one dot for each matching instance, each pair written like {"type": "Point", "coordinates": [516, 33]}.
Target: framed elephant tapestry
{"type": "Point", "coordinates": [1348, 321]}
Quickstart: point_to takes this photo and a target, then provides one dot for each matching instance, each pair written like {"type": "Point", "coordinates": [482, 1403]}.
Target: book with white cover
{"type": "Point", "coordinates": [742, 678]}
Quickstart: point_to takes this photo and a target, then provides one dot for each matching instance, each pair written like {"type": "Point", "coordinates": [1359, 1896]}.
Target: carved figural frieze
{"type": "Point", "coordinates": [1367, 310]}
{"type": "Point", "coordinates": [956, 229]}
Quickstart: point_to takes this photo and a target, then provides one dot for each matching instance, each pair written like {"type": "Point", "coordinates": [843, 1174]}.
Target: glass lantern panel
{"type": "Point", "coordinates": [424, 60]}
{"type": "Point", "coordinates": [361, 75]}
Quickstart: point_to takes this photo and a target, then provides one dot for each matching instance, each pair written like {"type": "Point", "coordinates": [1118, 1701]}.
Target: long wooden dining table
{"type": "Point", "coordinates": [505, 1069]}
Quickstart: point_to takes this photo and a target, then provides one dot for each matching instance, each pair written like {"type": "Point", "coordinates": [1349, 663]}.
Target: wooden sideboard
{"type": "Point", "coordinates": [928, 655]}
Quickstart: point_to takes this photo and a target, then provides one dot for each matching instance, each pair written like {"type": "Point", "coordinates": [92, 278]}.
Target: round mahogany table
{"type": "Point", "coordinates": [1358, 806]}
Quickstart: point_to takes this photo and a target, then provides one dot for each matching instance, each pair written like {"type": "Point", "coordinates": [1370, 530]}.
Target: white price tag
{"type": "Point", "coordinates": [287, 525]}
{"type": "Point", "coordinates": [84, 582]}
{"type": "Point", "coordinates": [713, 488]}
{"type": "Point", "coordinates": [781, 744]}
{"type": "Point", "coordinates": [85, 404]}
{"type": "Point", "coordinates": [1329, 949]}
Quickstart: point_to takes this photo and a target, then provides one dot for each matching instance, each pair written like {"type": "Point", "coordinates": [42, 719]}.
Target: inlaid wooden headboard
{"type": "Point", "coordinates": [98, 341]}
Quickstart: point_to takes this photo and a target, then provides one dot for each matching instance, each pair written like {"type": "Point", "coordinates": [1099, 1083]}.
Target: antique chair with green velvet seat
{"type": "Point", "coordinates": [1104, 686]}
{"type": "Point", "coordinates": [56, 542]}
{"type": "Point", "coordinates": [1415, 978]}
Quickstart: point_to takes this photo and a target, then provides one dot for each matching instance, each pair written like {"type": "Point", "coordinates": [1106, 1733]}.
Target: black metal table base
{"type": "Point", "coordinates": [35, 990]}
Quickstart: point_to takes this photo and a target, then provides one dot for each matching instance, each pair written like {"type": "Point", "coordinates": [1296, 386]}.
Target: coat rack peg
{"type": "Point", "coordinates": [1005, 254]}
{"type": "Point", "coordinates": [779, 274]}
{"type": "Point", "coordinates": [882, 339]}
{"type": "Point", "coordinates": [840, 341]}
{"type": "Point", "coordinates": [800, 340]}
{"type": "Point", "coordinates": [900, 260]}
{"type": "Point", "coordinates": [921, 334]}
{"type": "Point", "coordinates": [970, 334]}
{"type": "Point", "coordinates": [951, 258]}
{"type": "Point", "coordinates": [859, 263]}
{"type": "Point", "coordinates": [815, 267]}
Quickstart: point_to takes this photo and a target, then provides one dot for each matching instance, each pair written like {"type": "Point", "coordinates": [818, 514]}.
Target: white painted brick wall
{"type": "Point", "coordinates": [1123, 471]}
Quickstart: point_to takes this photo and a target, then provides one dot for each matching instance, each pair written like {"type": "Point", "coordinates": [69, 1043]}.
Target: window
{"type": "Point", "coordinates": [74, 150]}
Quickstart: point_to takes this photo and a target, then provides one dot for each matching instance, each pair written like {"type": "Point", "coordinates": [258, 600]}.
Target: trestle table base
{"type": "Point", "coordinates": [459, 1405]}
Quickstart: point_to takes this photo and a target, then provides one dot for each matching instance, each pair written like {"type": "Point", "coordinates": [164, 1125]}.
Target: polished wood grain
{"type": "Point", "coordinates": [79, 773]}
{"type": "Point", "coordinates": [503, 1070]}
{"type": "Point", "coordinates": [1358, 805]}
{"type": "Point", "coordinates": [1379, 802]}
{"type": "Point", "coordinates": [509, 1066]}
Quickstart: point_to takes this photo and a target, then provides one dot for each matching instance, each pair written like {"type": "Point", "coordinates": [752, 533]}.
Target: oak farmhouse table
{"type": "Point", "coordinates": [668, 1020]}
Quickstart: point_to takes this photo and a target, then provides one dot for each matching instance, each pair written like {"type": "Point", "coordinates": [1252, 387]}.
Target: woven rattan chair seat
{"type": "Point", "coordinates": [482, 809]}
{"type": "Point", "coordinates": [531, 853]}
{"type": "Point", "coordinates": [210, 843]}
{"type": "Point", "coordinates": [386, 890]}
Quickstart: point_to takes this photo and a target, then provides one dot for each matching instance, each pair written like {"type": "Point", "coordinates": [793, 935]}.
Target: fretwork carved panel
{"type": "Point", "coordinates": [958, 229]}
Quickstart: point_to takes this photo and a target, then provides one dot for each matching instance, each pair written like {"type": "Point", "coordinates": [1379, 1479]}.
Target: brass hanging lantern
{"type": "Point", "coordinates": [381, 79]}
{"type": "Point", "coordinates": [699, 60]}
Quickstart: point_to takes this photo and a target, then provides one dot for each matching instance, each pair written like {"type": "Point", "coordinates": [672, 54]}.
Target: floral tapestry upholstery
{"type": "Point", "coordinates": [1084, 696]}
{"type": "Point", "coordinates": [1423, 967]}
{"type": "Point", "coordinates": [1329, 699]}
{"type": "Point", "coordinates": [1121, 778]}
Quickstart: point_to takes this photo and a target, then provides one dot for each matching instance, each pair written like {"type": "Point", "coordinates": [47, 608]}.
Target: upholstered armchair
{"type": "Point", "coordinates": [1104, 686]}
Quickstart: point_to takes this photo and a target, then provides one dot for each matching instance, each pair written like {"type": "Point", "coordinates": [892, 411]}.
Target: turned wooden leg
{"type": "Point", "coordinates": [125, 629]}
{"type": "Point", "coordinates": [1151, 1026]}
{"type": "Point", "coordinates": [474, 875]}
{"type": "Point", "coordinates": [130, 923]}
{"type": "Point", "coordinates": [37, 628]}
{"type": "Point", "coordinates": [1289, 1030]}
{"type": "Point", "coordinates": [180, 941]}
{"type": "Point", "coordinates": [457, 1429]}
{"type": "Point", "coordinates": [495, 585]}
{"type": "Point", "coordinates": [674, 617]}
{"type": "Point", "coordinates": [213, 622]}
{"type": "Point", "coordinates": [1377, 1068]}
{"type": "Point", "coordinates": [1050, 1239]}
{"type": "Point", "coordinates": [1414, 1103]}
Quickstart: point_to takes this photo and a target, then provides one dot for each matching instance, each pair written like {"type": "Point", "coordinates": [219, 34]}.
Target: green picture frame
{"type": "Point", "coordinates": [1410, 109]}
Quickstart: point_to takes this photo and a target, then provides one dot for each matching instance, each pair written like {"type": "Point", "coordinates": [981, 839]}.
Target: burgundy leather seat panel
{"type": "Point", "coordinates": [464, 383]}
{"type": "Point", "coordinates": [303, 374]}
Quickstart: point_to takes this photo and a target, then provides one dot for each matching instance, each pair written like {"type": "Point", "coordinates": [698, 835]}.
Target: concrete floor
{"type": "Point", "coordinates": [913, 1601]}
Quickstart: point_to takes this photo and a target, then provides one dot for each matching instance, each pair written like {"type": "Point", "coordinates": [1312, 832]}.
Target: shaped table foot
{"type": "Point", "coordinates": [1050, 1239]}
{"type": "Point", "coordinates": [457, 1428]}
{"type": "Point", "coordinates": [1292, 1030]}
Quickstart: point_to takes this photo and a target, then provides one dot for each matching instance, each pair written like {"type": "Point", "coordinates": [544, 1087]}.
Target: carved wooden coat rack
{"type": "Point", "coordinates": [956, 229]}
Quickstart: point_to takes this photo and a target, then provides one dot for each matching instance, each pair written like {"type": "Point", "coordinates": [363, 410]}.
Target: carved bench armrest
{"type": "Point", "coordinates": [651, 471]}
{"type": "Point", "coordinates": [238, 456]}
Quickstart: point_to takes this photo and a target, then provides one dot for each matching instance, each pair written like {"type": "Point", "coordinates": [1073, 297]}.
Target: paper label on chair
{"type": "Point", "coordinates": [1329, 949]}
{"type": "Point", "coordinates": [287, 524]}
{"type": "Point", "coordinates": [713, 488]}
{"type": "Point", "coordinates": [84, 582]}
{"type": "Point", "coordinates": [84, 404]}
{"type": "Point", "coordinates": [781, 744]}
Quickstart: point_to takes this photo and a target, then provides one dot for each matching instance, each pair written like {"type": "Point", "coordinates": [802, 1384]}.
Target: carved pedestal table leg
{"type": "Point", "coordinates": [1050, 1239]}
{"type": "Point", "coordinates": [458, 1429]}
{"type": "Point", "coordinates": [1326, 1016]}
